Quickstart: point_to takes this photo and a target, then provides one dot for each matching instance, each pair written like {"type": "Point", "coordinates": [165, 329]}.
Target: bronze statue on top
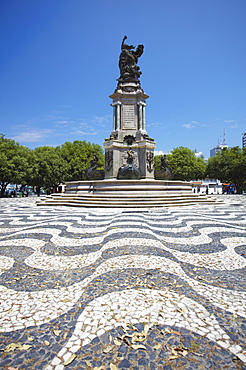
{"type": "Point", "coordinates": [129, 70]}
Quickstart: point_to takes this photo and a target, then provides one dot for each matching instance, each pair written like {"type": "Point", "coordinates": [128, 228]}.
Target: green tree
{"type": "Point", "coordinates": [157, 161]}
{"type": "Point", "coordinates": [14, 163]}
{"type": "Point", "coordinates": [229, 166]}
{"type": "Point", "coordinates": [78, 156]}
{"type": "Point", "coordinates": [49, 169]}
{"type": "Point", "coordinates": [184, 163]}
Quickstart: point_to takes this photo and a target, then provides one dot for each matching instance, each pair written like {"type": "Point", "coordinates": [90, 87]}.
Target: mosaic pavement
{"type": "Point", "coordinates": [122, 289]}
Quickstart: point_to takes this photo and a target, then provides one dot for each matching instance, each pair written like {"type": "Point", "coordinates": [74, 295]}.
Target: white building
{"type": "Point", "coordinates": [219, 147]}
{"type": "Point", "coordinates": [208, 186]}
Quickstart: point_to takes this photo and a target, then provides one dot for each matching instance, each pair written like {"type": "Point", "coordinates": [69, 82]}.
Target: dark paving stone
{"type": "Point", "coordinates": [202, 353]}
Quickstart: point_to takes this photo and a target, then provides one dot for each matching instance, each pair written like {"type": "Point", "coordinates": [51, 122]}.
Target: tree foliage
{"type": "Point", "coordinates": [184, 163]}
{"type": "Point", "coordinates": [78, 156]}
{"type": "Point", "coordinates": [49, 168]}
{"type": "Point", "coordinates": [14, 163]}
{"type": "Point", "coordinates": [229, 166]}
{"type": "Point", "coordinates": [45, 166]}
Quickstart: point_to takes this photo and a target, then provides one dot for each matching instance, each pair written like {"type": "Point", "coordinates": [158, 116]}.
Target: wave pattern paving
{"type": "Point", "coordinates": [119, 289]}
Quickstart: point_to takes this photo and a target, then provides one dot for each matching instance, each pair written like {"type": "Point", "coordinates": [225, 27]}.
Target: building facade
{"type": "Point", "coordinates": [217, 149]}
{"type": "Point", "coordinates": [244, 140]}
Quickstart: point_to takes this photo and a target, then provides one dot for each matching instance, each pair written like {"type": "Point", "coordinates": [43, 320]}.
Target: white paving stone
{"type": "Point", "coordinates": [21, 309]}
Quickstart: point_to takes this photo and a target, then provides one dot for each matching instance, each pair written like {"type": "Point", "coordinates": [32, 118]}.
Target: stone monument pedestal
{"type": "Point", "coordinates": [129, 133]}
{"type": "Point", "coordinates": [134, 194]}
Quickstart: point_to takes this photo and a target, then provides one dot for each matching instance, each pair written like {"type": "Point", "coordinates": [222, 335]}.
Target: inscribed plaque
{"type": "Point", "coordinates": [129, 116]}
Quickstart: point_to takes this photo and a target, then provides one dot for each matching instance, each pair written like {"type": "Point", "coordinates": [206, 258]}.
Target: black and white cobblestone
{"type": "Point", "coordinates": [119, 289]}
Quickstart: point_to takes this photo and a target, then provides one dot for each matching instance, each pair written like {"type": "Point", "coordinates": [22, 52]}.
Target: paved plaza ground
{"type": "Point", "coordinates": [123, 289]}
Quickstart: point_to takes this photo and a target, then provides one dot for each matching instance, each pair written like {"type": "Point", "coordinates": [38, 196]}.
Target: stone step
{"type": "Point", "coordinates": [126, 194]}
{"type": "Point", "coordinates": [116, 202]}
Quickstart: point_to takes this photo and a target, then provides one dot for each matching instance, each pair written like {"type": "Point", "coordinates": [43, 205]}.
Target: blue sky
{"type": "Point", "coordinates": [59, 64]}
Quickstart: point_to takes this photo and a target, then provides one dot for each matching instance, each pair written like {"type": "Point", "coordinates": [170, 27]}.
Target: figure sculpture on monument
{"type": "Point", "coordinates": [164, 162]}
{"type": "Point", "coordinates": [129, 70]}
{"type": "Point", "coordinates": [92, 173]}
{"type": "Point", "coordinates": [93, 162]}
{"type": "Point", "coordinates": [129, 171]}
{"type": "Point", "coordinates": [130, 157]}
{"type": "Point", "coordinates": [165, 173]}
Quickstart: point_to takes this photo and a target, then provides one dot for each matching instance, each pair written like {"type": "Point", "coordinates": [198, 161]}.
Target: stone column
{"type": "Point", "coordinates": [116, 115]}
{"type": "Point", "coordinates": [140, 116]}
{"type": "Point", "coordinates": [144, 116]}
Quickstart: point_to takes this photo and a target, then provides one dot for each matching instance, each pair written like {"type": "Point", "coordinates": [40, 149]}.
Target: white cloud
{"type": "Point", "coordinates": [85, 133]}
{"type": "Point", "coordinates": [102, 120]}
{"type": "Point", "coordinates": [206, 125]}
{"type": "Point", "coordinates": [198, 154]}
{"type": "Point", "coordinates": [191, 124]}
{"type": "Point", "coordinates": [155, 124]}
{"type": "Point", "coordinates": [158, 152]}
{"type": "Point", "coordinates": [32, 136]}
{"type": "Point", "coordinates": [188, 125]}
{"type": "Point", "coordinates": [45, 126]}
{"type": "Point", "coordinates": [234, 126]}
{"type": "Point", "coordinates": [229, 121]}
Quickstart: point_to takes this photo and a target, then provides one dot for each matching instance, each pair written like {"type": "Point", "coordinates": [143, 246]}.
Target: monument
{"type": "Point", "coordinates": [129, 151]}
{"type": "Point", "coordinates": [129, 178]}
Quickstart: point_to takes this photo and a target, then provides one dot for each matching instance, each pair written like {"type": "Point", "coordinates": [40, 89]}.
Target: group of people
{"type": "Point", "coordinates": [197, 190]}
